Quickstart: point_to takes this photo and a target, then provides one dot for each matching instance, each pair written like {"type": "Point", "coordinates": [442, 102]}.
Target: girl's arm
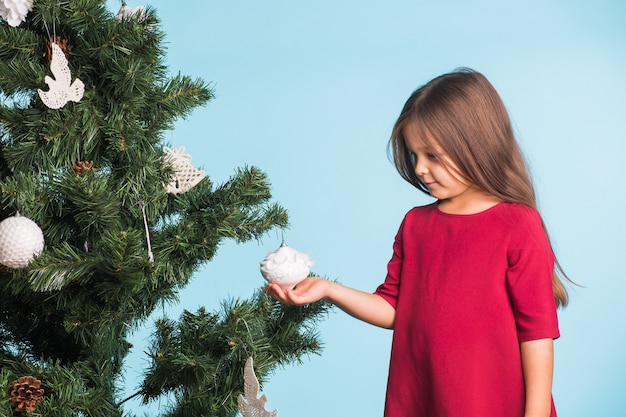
{"type": "Point", "coordinates": [368, 307]}
{"type": "Point", "coordinates": [537, 364]}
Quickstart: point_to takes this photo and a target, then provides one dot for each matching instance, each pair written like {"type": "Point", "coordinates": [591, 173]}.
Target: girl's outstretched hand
{"type": "Point", "coordinates": [368, 307]}
{"type": "Point", "coordinates": [310, 290]}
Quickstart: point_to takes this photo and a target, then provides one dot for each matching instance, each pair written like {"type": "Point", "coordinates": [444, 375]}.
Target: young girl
{"type": "Point", "coordinates": [471, 290]}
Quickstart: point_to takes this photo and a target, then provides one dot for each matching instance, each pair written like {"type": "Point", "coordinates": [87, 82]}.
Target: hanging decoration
{"type": "Point", "coordinates": [61, 88]}
{"type": "Point", "coordinates": [15, 11]}
{"type": "Point", "coordinates": [21, 240]}
{"type": "Point", "coordinates": [26, 392]}
{"type": "Point", "coordinates": [286, 266]}
{"type": "Point", "coordinates": [250, 404]}
{"type": "Point", "coordinates": [127, 12]}
{"type": "Point", "coordinates": [185, 176]}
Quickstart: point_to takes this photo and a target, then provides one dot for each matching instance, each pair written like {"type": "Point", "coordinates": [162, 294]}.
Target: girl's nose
{"type": "Point", "coordinates": [420, 168]}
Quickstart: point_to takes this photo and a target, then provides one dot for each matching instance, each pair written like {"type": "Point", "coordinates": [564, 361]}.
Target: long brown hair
{"type": "Point", "coordinates": [465, 115]}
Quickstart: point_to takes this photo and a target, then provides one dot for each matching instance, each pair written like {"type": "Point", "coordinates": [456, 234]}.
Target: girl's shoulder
{"type": "Point", "coordinates": [519, 213]}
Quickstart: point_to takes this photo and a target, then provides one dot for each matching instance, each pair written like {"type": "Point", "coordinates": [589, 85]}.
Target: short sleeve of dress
{"type": "Point", "coordinates": [390, 288]}
{"type": "Point", "coordinates": [529, 280]}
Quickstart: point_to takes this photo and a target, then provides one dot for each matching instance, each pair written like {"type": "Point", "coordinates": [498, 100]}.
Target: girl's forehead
{"type": "Point", "coordinates": [418, 137]}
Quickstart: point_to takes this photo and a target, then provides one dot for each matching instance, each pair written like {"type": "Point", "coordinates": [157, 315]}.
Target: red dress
{"type": "Point", "coordinates": [467, 290]}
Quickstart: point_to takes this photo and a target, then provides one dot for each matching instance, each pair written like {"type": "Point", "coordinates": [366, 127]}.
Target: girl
{"type": "Point", "coordinates": [471, 290]}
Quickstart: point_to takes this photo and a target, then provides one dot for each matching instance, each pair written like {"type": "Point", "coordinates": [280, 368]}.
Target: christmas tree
{"type": "Point", "coordinates": [85, 102]}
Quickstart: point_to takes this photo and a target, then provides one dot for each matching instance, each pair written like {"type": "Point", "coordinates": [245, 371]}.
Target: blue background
{"type": "Point", "coordinates": [309, 91]}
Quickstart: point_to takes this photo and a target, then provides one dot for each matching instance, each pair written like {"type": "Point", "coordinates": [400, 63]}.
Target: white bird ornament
{"type": "Point", "coordinates": [250, 404]}
{"type": "Point", "coordinates": [286, 266]}
{"type": "Point", "coordinates": [62, 89]}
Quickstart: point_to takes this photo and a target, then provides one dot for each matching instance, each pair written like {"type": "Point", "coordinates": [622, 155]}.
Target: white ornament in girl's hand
{"type": "Point", "coordinates": [21, 240]}
{"type": "Point", "coordinates": [286, 266]}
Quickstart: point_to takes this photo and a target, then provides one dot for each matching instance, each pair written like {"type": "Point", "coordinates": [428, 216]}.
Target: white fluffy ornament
{"type": "Point", "coordinates": [21, 240]}
{"type": "Point", "coordinates": [286, 266]}
{"type": "Point", "coordinates": [62, 89]}
{"type": "Point", "coordinates": [15, 11]}
{"type": "Point", "coordinates": [186, 176]}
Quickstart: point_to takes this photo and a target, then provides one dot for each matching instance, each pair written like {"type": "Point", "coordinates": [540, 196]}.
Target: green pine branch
{"type": "Point", "coordinates": [206, 352]}
{"type": "Point", "coordinates": [92, 175]}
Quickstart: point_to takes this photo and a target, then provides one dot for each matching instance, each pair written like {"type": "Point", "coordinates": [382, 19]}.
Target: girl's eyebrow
{"type": "Point", "coordinates": [422, 148]}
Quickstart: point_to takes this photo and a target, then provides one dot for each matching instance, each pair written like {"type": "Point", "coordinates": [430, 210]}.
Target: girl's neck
{"type": "Point", "coordinates": [475, 202]}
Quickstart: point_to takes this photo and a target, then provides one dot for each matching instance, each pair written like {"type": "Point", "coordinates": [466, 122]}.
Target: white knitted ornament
{"type": "Point", "coordinates": [21, 240]}
{"type": "Point", "coordinates": [186, 176]}
{"type": "Point", "coordinates": [15, 11]}
{"type": "Point", "coordinates": [286, 266]}
{"type": "Point", "coordinates": [62, 89]}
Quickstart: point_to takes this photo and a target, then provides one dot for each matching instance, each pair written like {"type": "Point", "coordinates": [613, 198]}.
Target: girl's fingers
{"type": "Point", "coordinates": [277, 292]}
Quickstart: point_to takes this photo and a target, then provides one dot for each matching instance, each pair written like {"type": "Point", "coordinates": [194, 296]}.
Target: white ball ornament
{"type": "Point", "coordinates": [21, 240]}
{"type": "Point", "coordinates": [286, 266]}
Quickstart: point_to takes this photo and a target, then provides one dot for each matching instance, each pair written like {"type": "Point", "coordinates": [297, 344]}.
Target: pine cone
{"type": "Point", "coordinates": [81, 166]}
{"type": "Point", "coordinates": [62, 43]}
{"type": "Point", "coordinates": [26, 393]}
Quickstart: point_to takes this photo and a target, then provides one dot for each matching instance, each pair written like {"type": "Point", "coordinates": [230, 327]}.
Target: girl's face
{"type": "Point", "coordinates": [440, 175]}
